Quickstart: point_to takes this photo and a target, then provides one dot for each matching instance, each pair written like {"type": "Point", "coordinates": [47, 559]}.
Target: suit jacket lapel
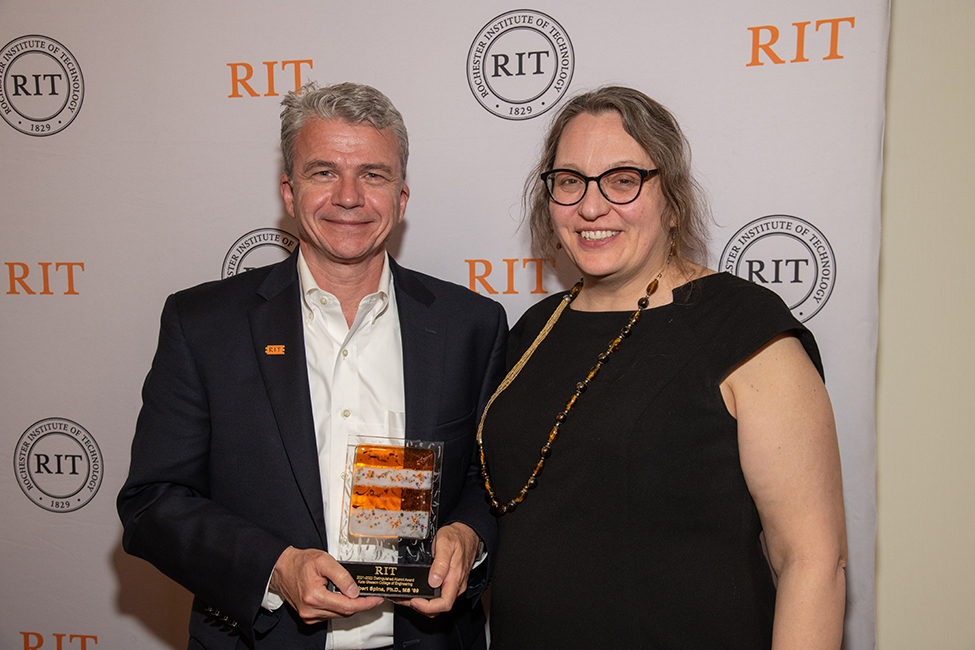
{"type": "Point", "coordinates": [422, 329]}
{"type": "Point", "coordinates": [280, 348]}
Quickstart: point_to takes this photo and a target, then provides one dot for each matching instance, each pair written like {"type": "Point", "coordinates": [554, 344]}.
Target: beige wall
{"type": "Point", "coordinates": [926, 366]}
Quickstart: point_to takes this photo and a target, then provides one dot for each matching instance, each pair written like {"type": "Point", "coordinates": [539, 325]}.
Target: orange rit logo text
{"type": "Point", "coordinates": [35, 641]}
{"type": "Point", "coordinates": [481, 270]}
{"type": "Point", "coordinates": [241, 76]}
{"type": "Point", "coordinates": [63, 278]}
{"type": "Point", "coordinates": [765, 36]}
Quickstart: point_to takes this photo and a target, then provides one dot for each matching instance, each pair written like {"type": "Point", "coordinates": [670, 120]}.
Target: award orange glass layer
{"type": "Point", "coordinates": [392, 490]}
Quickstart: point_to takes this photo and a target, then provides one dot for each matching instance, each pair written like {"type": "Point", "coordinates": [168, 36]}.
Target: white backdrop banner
{"type": "Point", "coordinates": [140, 156]}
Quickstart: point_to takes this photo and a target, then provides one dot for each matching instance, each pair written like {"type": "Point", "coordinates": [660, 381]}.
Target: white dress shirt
{"type": "Point", "coordinates": [355, 375]}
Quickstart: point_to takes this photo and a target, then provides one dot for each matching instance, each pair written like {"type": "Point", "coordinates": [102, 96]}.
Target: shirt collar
{"type": "Point", "coordinates": [310, 291]}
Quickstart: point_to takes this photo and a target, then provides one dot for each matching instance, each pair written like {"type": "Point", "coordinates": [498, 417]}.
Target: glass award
{"type": "Point", "coordinates": [389, 518]}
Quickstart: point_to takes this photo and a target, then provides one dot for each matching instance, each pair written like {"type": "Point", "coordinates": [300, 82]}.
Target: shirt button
{"type": "Point", "coordinates": [345, 353]}
{"type": "Point", "coordinates": [324, 300]}
{"type": "Point", "coordinates": [346, 413]}
{"type": "Point", "coordinates": [311, 316]}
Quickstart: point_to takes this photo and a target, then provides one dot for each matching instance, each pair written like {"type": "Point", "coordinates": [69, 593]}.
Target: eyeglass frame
{"type": "Point", "coordinates": [644, 175]}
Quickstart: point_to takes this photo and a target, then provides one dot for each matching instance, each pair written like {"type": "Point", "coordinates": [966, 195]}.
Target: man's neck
{"type": "Point", "coordinates": [350, 283]}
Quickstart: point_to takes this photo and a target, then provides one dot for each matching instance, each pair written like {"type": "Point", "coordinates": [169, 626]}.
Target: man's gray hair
{"type": "Point", "coordinates": [350, 102]}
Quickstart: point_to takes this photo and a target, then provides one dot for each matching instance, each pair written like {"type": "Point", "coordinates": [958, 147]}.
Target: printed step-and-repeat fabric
{"type": "Point", "coordinates": [140, 156]}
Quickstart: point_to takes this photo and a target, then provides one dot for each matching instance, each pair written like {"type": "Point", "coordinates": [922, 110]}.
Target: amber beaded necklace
{"type": "Point", "coordinates": [496, 507]}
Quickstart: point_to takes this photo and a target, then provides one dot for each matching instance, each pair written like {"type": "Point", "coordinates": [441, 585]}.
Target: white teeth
{"type": "Point", "coordinates": [596, 235]}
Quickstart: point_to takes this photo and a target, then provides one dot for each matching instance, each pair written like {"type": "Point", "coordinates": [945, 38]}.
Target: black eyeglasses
{"type": "Point", "coordinates": [620, 185]}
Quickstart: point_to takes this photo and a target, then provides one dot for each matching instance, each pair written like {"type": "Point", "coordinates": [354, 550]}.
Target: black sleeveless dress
{"type": "Point", "coordinates": [641, 532]}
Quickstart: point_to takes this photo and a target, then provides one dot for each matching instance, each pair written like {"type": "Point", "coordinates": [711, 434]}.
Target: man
{"type": "Point", "coordinates": [261, 380]}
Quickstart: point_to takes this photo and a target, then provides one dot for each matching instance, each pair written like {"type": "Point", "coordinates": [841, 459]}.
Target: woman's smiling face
{"type": "Point", "coordinates": [615, 245]}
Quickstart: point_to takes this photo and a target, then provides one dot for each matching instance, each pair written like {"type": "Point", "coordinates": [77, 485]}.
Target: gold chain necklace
{"type": "Point", "coordinates": [498, 508]}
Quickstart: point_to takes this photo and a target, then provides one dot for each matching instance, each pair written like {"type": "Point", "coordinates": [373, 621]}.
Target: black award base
{"type": "Point", "coordinates": [392, 580]}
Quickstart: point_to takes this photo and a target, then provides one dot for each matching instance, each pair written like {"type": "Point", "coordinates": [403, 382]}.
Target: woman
{"type": "Point", "coordinates": [678, 413]}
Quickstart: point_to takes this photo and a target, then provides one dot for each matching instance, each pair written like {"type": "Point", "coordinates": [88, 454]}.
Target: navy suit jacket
{"type": "Point", "coordinates": [224, 473]}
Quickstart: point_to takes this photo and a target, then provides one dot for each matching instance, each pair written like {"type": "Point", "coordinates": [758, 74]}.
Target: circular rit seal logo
{"type": "Point", "coordinates": [788, 255]}
{"type": "Point", "coordinates": [258, 248]}
{"type": "Point", "coordinates": [520, 64]}
{"type": "Point", "coordinates": [41, 85]}
{"type": "Point", "coordinates": [58, 465]}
